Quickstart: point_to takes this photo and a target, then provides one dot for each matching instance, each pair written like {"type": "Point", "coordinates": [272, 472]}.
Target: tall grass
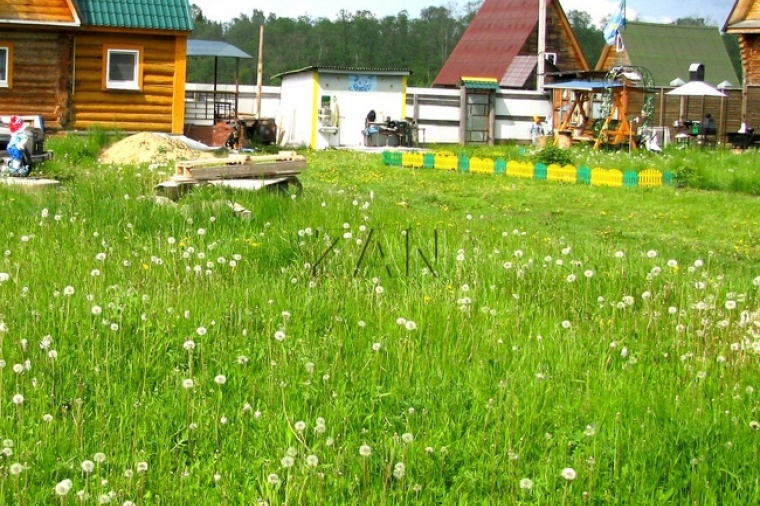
{"type": "Point", "coordinates": [387, 337]}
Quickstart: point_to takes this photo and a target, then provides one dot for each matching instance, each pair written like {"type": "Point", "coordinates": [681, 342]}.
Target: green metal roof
{"type": "Point", "coordinates": [138, 14]}
{"type": "Point", "coordinates": [667, 51]}
{"type": "Point", "coordinates": [480, 83]}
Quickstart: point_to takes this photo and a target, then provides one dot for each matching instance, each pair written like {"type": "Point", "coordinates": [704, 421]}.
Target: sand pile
{"type": "Point", "coordinates": [147, 147]}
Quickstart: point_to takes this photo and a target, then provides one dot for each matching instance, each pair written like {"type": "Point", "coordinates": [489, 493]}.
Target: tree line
{"type": "Point", "coordinates": [361, 39]}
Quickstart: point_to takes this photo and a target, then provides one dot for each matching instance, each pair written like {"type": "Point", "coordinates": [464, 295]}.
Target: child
{"type": "Point", "coordinates": [21, 161]}
{"type": "Point", "coordinates": [536, 130]}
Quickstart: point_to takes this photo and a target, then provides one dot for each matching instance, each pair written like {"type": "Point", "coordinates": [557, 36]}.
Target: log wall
{"type": "Point", "coordinates": [40, 80]}
{"type": "Point", "coordinates": [53, 11]}
{"type": "Point", "coordinates": [151, 109]}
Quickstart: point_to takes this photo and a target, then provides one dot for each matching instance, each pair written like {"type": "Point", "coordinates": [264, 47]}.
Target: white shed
{"type": "Point", "coordinates": [324, 107]}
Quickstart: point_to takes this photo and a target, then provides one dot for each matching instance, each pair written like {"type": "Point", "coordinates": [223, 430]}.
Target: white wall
{"type": "Point", "coordinates": [438, 109]}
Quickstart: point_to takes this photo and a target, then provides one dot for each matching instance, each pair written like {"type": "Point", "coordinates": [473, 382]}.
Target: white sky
{"type": "Point", "coordinates": [660, 11]}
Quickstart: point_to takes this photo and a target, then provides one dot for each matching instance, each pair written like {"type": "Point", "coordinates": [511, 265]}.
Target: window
{"type": "Point", "coordinates": [6, 59]}
{"type": "Point", "coordinates": [123, 70]}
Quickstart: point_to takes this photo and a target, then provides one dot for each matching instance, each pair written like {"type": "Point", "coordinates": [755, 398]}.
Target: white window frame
{"type": "Point", "coordinates": [134, 84]}
{"type": "Point", "coordinates": [7, 55]}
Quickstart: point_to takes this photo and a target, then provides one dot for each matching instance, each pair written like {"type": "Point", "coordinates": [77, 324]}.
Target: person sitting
{"type": "Point", "coordinates": [391, 129]}
{"type": "Point", "coordinates": [707, 126]}
{"type": "Point", "coordinates": [369, 128]}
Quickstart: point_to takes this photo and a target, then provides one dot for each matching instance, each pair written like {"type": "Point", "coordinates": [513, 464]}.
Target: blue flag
{"type": "Point", "coordinates": [613, 26]}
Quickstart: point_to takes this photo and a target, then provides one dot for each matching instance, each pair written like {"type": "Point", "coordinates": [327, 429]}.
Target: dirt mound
{"type": "Point", "coordinates": [150, 147]}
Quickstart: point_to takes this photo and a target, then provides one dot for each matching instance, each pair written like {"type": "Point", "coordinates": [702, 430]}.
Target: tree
{"type": "Point", "coordinates": [590, 38]}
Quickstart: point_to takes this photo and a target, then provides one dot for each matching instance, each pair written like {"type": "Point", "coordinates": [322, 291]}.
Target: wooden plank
{"type": "Point", "coordinates": [253, 170]}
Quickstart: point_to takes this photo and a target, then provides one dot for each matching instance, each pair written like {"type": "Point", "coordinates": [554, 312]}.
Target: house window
{"type": "Point", "coordinates": [123, 69]}
{"type": "Point", "coordinates": [6, 59]}
{"type": "Point", "coordinates": [619, 46]}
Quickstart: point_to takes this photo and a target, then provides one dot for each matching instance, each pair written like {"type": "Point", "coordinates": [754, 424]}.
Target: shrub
{"type": "Point", "coordinates": [552, 154]}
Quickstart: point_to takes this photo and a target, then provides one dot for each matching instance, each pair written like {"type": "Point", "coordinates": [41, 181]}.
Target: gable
{"type": "Point", "coordinates": [744, 17]}
{"type": "Point", "coordinates": [502, 30]}
{"type": "Point", "coordinates": [38, 12]}
{"type": "Point", "coordinates": [667, 51]}
{"type": "Point", "coordinates": [138, 14]}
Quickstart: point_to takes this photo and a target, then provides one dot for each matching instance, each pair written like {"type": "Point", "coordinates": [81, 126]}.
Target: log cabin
{"type": "Point", "coordinates": [744, 21]}
{"type": "Point", "coordinates": [115, 64]}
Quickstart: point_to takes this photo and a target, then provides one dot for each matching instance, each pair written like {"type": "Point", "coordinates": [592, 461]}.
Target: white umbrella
{"type": "Point", "coordinates": [696, 89]}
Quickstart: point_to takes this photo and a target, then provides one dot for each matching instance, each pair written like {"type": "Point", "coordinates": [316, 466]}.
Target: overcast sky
{"type": "Point", "coordinates": [658, 11]}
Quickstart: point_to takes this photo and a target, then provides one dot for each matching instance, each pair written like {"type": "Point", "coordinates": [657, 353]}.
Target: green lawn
{"type": "Point", "coordinates": [389, 336]}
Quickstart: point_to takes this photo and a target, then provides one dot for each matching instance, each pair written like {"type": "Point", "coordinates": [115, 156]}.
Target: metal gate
{"type": "Point", "coordinates": [478, 117]}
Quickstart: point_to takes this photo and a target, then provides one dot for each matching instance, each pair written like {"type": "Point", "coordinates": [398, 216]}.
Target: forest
{"type": "Point", "coordinates": [361, 39]}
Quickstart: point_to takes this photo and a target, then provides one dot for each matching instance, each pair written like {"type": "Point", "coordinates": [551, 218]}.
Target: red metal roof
{"type": "Point", "coordinates": [495, 36]}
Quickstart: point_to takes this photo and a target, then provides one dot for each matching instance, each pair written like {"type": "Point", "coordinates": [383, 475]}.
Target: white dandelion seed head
{"type": "Point", "coordinates": [188, 383]}
{"type": "Point", "coordinates": [365, 450]}
{"type": "Point", "coordinates": [569, 474]}
{"type": "Point", "coordinates": [87, 466]}
{"type": "Point", "coordinates": [399, 470]}
{"type": "Point", "coordinates": [63, 487]}
{"type": "Point", "coordinates": [299, 426]}
{"type": "Point", "coordinates": [526, 484]}
{"type": "Point", "coordinates": [279, 336]}
{"type": "Point", "coordinates": [273, 479]}
{"type": "Point", "coordinates": [220, 379]}
{"type": "Point", "coordinates": [142, 467]}
{"type": "Point", "coordinates": [376, 346]}
{"type": "Point", "coordinates": [201, 331]}
{"type": "Point", "coordinates": [287, 462]}
{"type": "Point", "coordinates": [18, 399]}
{"type": "Point", "coordinates": [99, 457]}
{"type": "Point", "coordinates": [16, 469]}
{"type": "Point", "coordinates": [410, 325]}
{"type": "Point", "coordinates": [407, 437]}
{"type": "Point", "coordinates": [189, 345]}
{"type": "Point", "coordinates": [312, 461]}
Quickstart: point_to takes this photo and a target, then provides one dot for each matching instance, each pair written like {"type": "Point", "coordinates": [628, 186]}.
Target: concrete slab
{"type": "Point", "coordinates": [32, 183]}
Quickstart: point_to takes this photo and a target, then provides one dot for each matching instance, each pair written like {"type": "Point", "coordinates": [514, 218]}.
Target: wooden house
{"type": "Point", "coordinates": [667, 52]}
{"type": "Point", "coordinates": [119, 64]}
{"type": "Point", "coordinates": [744, 21]}
{"type": "Point", "coordinates": [502, 43]}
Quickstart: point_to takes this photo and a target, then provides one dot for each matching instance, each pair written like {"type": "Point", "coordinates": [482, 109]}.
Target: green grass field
{"type": "Point", "coordinates": [389, 336]}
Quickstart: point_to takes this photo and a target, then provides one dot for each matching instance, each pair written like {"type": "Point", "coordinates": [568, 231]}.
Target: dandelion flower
{"type": "Point", "coordinates": [569, 474]}
{"type": "Point", "coordinates": [189, 345]}
{"type": "Point", "coordinates": [273, 479]}
{"type": "Point", "coordinates": [18, 399]}
{"type": "Point", "coordinates": [300, 426]}
{"type": "Point", "coordinates": [279, 336]}
{"type": "Point", "coordinates": [376, 346]}
{"type": "Point", "coordinates": [365, 450]}
{"type": "Point", "coordinates": [287, 461]}
{"type": "Point", "coordinates": [312, 461]}
{"type": "Point", "coordinates": [410, 325]}
{"type": "Point", "coordinates": [88, 466]}
{"type": "Point", "coordinates": [220, 379]}
{"type": "Point", "coordinates": [526, 484]}
{"type": "Point", "coordinates": [4, 276]}
{"type": "Point", "coordinates": [201, 331]}
{"type": "Point", "coordinates": [407, 437]}
{"type": "Point", "coordinates": [651, 253]}
{"type": "Point", "coordinates": [99, 457]}
{"type": "Point", "coordinates": [399, 470]}
{"type": "Point", "coordinates": [63, 487]}
{"type": "Point", "coordinates": [566, 324]}
{"type": "Point", "coordinates": [142, 467]}
{"type": "Point", "coordinates": [69, 290]}
{"type": "Point", "coordinates": [754, 425]}
{"type": "Point", "coordinates": [188, 383]}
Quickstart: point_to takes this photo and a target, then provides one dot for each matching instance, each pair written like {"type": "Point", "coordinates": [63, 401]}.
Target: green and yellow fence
{"type": "Point", "coordinates": [597, 176]}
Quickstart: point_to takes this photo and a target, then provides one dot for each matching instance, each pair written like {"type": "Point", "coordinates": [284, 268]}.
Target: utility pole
{"type": "Point", "coordinates": [540, 69]}
{"type": "Point", "coordinates": [260, 71]}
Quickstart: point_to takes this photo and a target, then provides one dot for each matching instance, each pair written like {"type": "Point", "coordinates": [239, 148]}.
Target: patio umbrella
{"type": "Point", "coordinates": [696, 89]}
